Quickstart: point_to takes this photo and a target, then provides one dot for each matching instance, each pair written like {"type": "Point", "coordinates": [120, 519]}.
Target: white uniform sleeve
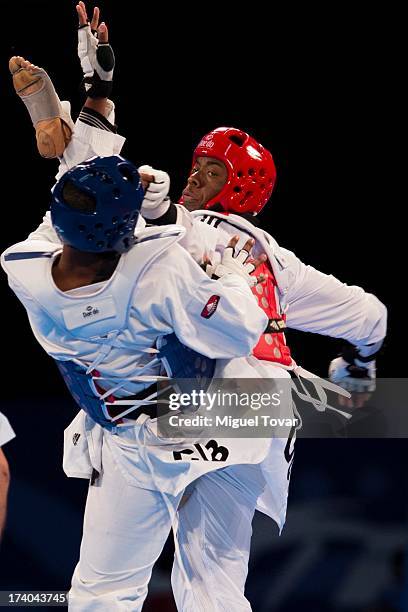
{"type": "Point", "coordinates": [6, 431]}
{"type": "Point", "coordinates": [322, 304]}
{"type": "Point", "coordinates": [180, 291]}
{"type": "Point", "coordinates": [86, 142]}
{"type": "Point", "coordinates": [200, 239]}
{"type": "Point", "coordinates": [45, 231]}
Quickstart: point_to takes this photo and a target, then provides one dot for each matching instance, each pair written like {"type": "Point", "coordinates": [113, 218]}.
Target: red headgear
{"type": "Point", "coordinates": [251, 170]}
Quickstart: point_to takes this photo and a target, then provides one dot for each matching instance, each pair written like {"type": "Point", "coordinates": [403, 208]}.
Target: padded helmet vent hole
{"type": "Point", "coordinates": [238, 140]}
{"type": "Point", "coordinates": [127, 173]}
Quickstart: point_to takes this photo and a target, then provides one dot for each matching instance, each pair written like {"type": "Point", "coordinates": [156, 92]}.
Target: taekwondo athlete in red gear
{"type": "Point", "coordinates": [231, 180]}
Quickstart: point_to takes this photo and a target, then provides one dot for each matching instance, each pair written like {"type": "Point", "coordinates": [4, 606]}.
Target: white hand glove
{"type": "Point", "coordinates": [156, 201]}
{"type": "Point", "coordinates": [233, 265]}
{"type": "Point", "coordinates": [94, 56]}
{"type": "Point", "coordinates": [357, 377]}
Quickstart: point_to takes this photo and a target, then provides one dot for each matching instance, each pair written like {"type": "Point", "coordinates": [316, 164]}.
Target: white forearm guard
{"type": "Point", "coordinates": [97, 62]}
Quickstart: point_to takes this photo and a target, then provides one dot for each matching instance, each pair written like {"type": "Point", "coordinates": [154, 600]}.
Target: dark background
{"type": "Point", "coordinates": [319, 112]}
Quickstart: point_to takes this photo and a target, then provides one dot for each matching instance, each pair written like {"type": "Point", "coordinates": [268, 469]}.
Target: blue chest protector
{"type": "Point", "coordinates": [79, 385]}
{"type": "Point", "coordinates": [30, 263]}
{"type": "Point", "coordinates": [190, 369]}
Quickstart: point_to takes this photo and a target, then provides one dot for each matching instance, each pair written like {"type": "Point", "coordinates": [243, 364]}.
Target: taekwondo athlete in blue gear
{"type": "Point", "coordinates": [105, 311]}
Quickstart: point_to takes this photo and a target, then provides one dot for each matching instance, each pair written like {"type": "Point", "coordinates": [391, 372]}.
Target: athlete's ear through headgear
{"type": "Point", "coordinates": [95, 205]}
{"type": "Point", "coordinates": [251, 170]}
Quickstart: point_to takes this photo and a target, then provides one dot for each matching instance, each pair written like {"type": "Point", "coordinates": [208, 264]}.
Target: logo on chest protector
{"type": "Point", "coordinates": [90, 312]}
{"type": "Point", "coordinates": [210, 307]}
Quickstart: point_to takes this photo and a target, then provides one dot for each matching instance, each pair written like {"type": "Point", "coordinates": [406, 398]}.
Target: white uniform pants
{"type": "Point", "coordinates": [214, 535]}
{"type": "Point", "coordinates": [126, 527]}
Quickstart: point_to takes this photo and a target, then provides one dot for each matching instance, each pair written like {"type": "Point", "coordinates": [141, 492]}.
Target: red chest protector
{"type": "Point", "coordinates": [272, 344]}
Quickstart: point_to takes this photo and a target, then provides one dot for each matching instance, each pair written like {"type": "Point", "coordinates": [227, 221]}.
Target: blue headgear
{"type": "Point", "coordinates": [114, 185]}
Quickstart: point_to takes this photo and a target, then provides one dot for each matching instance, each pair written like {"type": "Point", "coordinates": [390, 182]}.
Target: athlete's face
{"type": "Point", "coordinates": [207, 178]}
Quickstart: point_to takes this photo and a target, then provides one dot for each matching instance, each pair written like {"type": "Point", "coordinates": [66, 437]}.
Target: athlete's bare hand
{"type": "Point", "coordinates": [100, 28]}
